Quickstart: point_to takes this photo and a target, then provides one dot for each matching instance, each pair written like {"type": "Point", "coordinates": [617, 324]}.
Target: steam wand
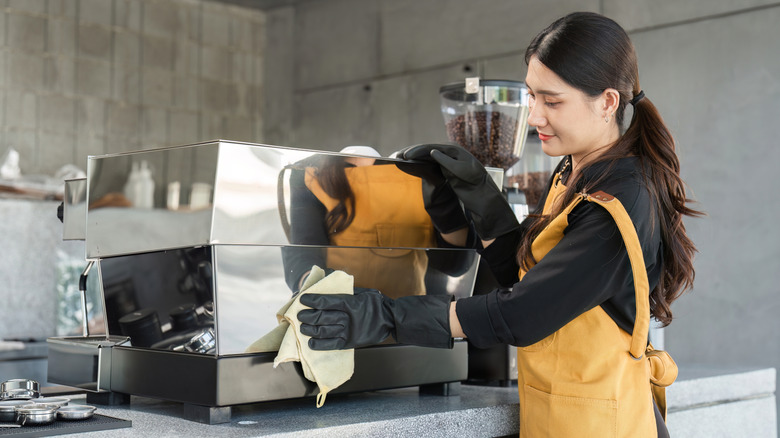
{"type": "Point", "coordinates": [83, 291]}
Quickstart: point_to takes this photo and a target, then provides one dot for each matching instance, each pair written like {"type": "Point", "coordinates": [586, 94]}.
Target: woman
{"type": "Point", "coordinates": [607, 250]}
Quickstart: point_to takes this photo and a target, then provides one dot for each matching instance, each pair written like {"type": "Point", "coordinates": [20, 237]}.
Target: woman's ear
{"type": "Point", "coordinates": [611, 101]}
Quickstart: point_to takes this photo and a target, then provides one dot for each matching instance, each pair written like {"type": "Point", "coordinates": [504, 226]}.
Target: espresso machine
{"type": "Point", "coordinates": [191, 250]}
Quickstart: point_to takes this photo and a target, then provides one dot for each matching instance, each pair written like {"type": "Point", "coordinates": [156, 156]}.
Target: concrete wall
{"type": "Point", "coordinates": [368, 72]}
{"type": "Point", "coordinates": [85, 77]}
{"type": "Point", "coordinates": [717, 82]}
{"type": "Point", "coordinates": [36, 270]}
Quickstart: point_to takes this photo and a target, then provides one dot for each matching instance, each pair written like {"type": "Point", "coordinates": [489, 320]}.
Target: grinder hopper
{"type": "Point", "coordinates": [489, 118]}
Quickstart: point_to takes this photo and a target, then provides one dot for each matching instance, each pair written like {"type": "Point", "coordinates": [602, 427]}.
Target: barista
{"type": "Point", "coordinates": [607, 250]}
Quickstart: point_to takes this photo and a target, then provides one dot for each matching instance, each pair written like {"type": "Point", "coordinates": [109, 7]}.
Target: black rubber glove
{"type": "Point", "coordinates": [341, 321]}
{"type": "Point", "coordinates": [490, 211]}
{"type": "Point", "coordinates": [439, 200]}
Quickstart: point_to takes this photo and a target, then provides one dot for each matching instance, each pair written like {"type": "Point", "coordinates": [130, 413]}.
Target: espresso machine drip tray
{"type": "Point", "coordinates": [194, 271]}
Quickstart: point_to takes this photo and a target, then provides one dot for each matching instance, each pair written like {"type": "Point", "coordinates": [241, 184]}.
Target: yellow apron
{"type": "Point", "coordinates": [590, 378]}
{"type": "Point", "coordinates": [389, 213]}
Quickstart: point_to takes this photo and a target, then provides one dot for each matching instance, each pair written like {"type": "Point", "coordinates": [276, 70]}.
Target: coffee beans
{"type": "Point", "coordinates": [489, 136]}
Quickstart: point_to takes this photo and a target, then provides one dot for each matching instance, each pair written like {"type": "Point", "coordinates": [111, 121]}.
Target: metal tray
{"type": "Point", "coordinates": [35, 415]}
{"type": "Point", "coordinates": [75, 412]}
{"type": "Point", "coordinates": [96, 423]}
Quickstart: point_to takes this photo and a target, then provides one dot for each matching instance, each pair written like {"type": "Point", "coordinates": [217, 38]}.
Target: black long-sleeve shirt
{"type": "Point", "coordinates": [589, 267]}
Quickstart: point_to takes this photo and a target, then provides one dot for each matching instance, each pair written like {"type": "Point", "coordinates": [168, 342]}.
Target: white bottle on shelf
{"type": "Point", "coordinates": [145, 187]}
{"type": "Point", "coordinates": [132, 184]}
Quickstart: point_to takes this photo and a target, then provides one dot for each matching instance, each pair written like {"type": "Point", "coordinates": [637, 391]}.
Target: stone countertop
{"type": "Point", "coordinates": [476, 411]}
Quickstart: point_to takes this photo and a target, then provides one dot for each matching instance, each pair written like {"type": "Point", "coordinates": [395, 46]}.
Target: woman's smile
{"type": "Point", "coordinates": [545, 137]}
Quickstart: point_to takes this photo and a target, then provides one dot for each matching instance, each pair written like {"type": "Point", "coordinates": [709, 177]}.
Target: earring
{"type": "Point", "coordinates": [606, 119]}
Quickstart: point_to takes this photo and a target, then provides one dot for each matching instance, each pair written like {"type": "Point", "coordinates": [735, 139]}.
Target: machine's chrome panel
{"type": "Point", "coordinates": [251, 286]}
{"type": "Point", "coordinates": [82, 362]}
{"type": "Point", "coordinates": [174, 300]}
{"type": "Point", "coordinates": [161, 300]}
{"type": "Point", "coordinates": [216, 192]}
{"type": "Point", "coordinates": [116, 226]}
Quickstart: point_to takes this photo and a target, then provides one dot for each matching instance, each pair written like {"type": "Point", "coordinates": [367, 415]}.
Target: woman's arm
{"type": "Point", "coordinates": [457, 238]}
{"type": "Point", "coordinates": [455, 328]}
{"type": "Point", "coordinates": [586, 268]}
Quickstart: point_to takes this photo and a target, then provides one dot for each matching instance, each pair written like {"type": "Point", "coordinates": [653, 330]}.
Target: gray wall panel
{"type": "Point", "coordinates": [278, 71]}
{"type": "Point", "coordinates": [636, 14]}
{"type": "Point", "coordinates": [425, 120]}
{"type": "Point", "coordinates": [335, 41]}
{"type": "Point", "coordinates": [406, 108]}
{"type": "Point", "coordinates": [332, 118]}
{"type": "Point", "coordinates": [421, 34]}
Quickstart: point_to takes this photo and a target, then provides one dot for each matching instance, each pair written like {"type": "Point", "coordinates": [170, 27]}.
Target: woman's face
{"type": "Point", "coordinates": [568, 121]}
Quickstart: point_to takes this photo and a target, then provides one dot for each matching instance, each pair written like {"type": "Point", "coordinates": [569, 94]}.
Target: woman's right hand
{"type": "Point", "coordinates": [439, 200]}
{"type": "Point", "coordinates": [468, 179]}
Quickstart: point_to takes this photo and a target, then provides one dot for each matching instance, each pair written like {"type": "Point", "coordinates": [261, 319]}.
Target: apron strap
{"type": "Point", "coordinates": [663, 370]}
{"type": "Point", "coordinates": [641, 284]}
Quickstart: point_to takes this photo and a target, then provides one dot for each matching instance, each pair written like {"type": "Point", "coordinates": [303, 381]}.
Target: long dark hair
{"type": "Point", "coordinates": [333, 180]}
{"type": "Point", "coordinates": [592, 53]}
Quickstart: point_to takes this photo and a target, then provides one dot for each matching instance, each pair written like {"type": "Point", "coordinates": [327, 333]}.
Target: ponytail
{"type": "Point", "coordinates": [654, 145]}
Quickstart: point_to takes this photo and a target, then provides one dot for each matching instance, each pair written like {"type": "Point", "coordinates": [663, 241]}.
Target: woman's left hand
{"type": "Point", "coordinates": [368, 317]}
{"type": "Point", "coordinates": [342, 321]}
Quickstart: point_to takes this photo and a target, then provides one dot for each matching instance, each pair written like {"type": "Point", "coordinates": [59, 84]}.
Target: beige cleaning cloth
{"type": "Point", "coordinates": [328, 369]}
